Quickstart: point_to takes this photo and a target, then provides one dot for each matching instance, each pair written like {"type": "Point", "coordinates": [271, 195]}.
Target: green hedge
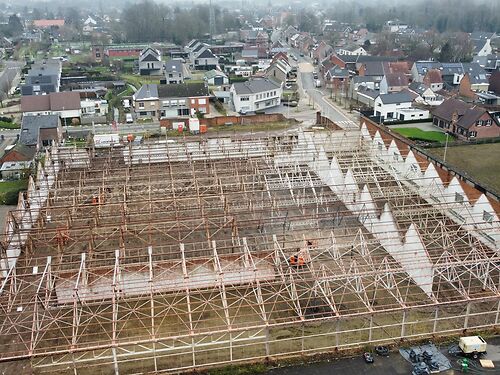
{"type": "Point", "coordinates": [9, 125]}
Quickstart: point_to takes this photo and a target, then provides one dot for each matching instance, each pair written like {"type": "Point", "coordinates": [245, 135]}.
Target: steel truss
{"type": "Point", "coordinates": [182, 260]}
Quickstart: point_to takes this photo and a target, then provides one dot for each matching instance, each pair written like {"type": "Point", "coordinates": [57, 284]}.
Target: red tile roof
{"type": "Point", "coordinates": [48, 23]}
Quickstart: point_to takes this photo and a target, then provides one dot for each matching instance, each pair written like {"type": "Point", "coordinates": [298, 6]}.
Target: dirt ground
{"type": "Point", "coordinates": [478, 161]}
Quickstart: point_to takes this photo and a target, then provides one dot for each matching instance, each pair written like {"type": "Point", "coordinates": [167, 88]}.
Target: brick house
{"type": "Point", "coordinates": [170, 101]}
{"type": "Point", "coordinates": [464, 120]}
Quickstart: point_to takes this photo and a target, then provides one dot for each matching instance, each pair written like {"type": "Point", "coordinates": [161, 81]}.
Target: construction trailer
{"type": "Point", "coordinates": [176, 256]}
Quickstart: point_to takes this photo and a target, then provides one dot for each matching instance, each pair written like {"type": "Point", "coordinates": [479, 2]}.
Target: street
{"type": "Point", "coordinates": [317, 96]}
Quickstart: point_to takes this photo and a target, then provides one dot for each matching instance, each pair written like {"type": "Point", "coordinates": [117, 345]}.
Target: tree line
{"type": "Point", "coordinates": [148, 21]}
{"type": "Point", "coordinates": [445, 15]}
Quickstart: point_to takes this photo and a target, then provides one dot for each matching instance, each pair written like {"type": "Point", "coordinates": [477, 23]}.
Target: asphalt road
{"type": "Point", "coordinates": [395, 364]}
{"type": "Point", "coordinates": [317, 96]}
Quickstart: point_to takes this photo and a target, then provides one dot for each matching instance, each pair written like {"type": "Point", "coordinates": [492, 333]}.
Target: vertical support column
{"type": "Point", "coordinates": [337, 329]}
{"type": "Point", "coordinates": [436, 317]}
{"type": "Point", "coordinates": [370, 332]}
{"type": "Point", "coordinates": [268, 352]}
{"type": "Point", "coordinates": [467, 313]}
{"type": "Point", "coordinates": [498, 313]}
{"type": "Point", "coordinates": [403, 325]}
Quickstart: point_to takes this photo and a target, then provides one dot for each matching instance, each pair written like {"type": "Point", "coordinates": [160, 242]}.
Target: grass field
{"type": "Point", "coordinates": [9, 190]}
{"type": "Point", "coordinates": [481, 162]}
{"type": "Point", "coordinates": [416, 133]}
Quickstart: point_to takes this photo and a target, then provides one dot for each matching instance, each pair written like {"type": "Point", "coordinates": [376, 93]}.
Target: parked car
{"type": "Point", "coordinates": [382, 351]}
{"type": "Point", "coordinates": [292, 103]}
{"type": "Point", "coordinates": [368, 357]}
{"type": "Point", "coordinates": [129, 118]}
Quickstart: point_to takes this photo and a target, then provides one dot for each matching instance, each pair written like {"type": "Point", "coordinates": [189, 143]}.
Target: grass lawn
{"type": "Point", "coordinates": [479, 161]}
{"type": "Point", "coordinates": [9, 190]}
{"type": "Point", "coordinates": [138, 81]}
{"type": "Point", "coordinates": [418, 134]}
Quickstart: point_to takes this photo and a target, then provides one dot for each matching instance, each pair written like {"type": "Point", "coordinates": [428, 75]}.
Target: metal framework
{"type": "Point", "coordinates": [175, 256]}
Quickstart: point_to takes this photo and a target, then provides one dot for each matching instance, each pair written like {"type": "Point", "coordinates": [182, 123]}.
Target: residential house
{"type": "Point", "coordinates": [289, 33]}
{"type": "Point", "coordinates": [364, 95]}
{"type": "Point", "coordinates": [204, 59]}
{"type": "Point", "coordinates": [43, 77]}
{"type": "Point", "coordinates": [174, 72]}
{"type": "Point", "coordinates": [489, 63]}
{"type": "Point", "coordinates": [471, 83]}
{"type": "Point", "coordinates": [216, 78]}
{"type": "Point", "coordinates": [183, 100]}
{"type": "Point", "coordinates": [494, 83]}
{"type": "Point", "coordinates": [48, 24]}
{"type": "Point", "coordinates": [18, 152]}
{"type": "Point", "coordinates": [145, 102]}
{"type": "Point", "coordinates": [481, 42]}
{"type": "Point", "coordinates": [15, 170]}
{"type": "Point", "coordinates": [94, 107]}
{"type": "Point", "coordinates": [388, 106]}
{"type": "Point", "coordinates": [66, 105]}
{"type": "Point", "coordinates": [377, 67]}
{"type": "Point", "coordinates": [255, 95]}
{"type": "Point", "coordinates": [393, 82]}
{"type": "Point", "coordinates": [465, 121]}
{"type": "Point", "coordinates": [150, 62]}
{"type": "Point", "coordinates": [395, 26]}
{"type": "Point", "coordinates": [255, 37]}
{"type": "Point", "coordinates": [40, 131]}
{"type": "Point", "coordinates": [337, 78]}
{"type": "Point", "coordinates": [170, 101]}
{"type": "Point", "coordinates": [351, 50]}
{"type": "Point", "coordinates": [278, 47]}
{"type": "Point", "coordinates": [425, 94]}
{"type": "Point", "coordinates": [279, 70]}
{"type": "Point", "coordinates": [89, 25]}
{"type": "Point", "coordinates": [451, 73]}
{"type": "Point", "coordinates": [321, 51]}
{"type": "Point", "coordinates": [433, 80]}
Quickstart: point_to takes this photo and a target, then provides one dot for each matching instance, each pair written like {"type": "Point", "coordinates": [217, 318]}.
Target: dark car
{"type": "Point", "coordinates": [368, 357]}
{"type": "Point", "coordinates": [382, 350]}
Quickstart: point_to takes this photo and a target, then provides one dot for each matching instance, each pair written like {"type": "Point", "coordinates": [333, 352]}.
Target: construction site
{"type": "Point", "coordinates": [175, 256]}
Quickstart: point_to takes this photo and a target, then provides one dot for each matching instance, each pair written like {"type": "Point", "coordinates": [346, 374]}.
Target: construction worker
{"type": "Point", "coordinates": [294, 260]}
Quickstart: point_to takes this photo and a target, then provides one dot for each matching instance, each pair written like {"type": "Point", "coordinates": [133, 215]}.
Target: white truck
{"type": "Point", "coordinates": [317, 83]}
{"type": "Point", "coordinates": [472, 346]}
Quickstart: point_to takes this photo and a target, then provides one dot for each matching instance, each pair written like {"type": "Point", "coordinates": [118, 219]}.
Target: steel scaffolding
{"type": "Point", "coordinates": [175, 256]}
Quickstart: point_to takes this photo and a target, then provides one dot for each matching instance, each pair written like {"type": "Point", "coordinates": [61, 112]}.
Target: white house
{"type": "Point", "coordinates": [216, 78]}
{"type": "Point", "coordinates": [150, 62]}
{"type": "Point", "coordinates": [389, 106]}
{"type": "Point", "coordinates": [352, 50]}
{"type": "Point", "coordinates": [94, 107]}
{"type": "Point", "coordinates": [255, 95]}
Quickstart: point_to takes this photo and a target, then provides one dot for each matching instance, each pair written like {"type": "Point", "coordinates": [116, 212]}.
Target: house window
{"type": "Point", "coordinates": [202, 101]}
{"type": "Point", "coordinates": [166, 103]}
{"type": "Point", "coordinates": [193, 101]}
{"type": "Point", "coordinates": [152, 104]}
{"type": "Point", "coordinates": [141, 105]}
{"type": "Point", "coordinates": [181, 102]}
{"type": "Point", "coordinates": [459, 198]}
{"type": "Point", "coordinates": [143, 113]}
{"type": "Point", "coordinates": [488, 122]}
{"type": "Point", "coordinates": [173, 102]}
{"type": "Point", "coordinates": [472, 134]}
{"type": "Point", "coordinates": [487, 217]}
{"type": "Point", "coordinates": [170, 75]}
{"type": "Point", "coordinates": [479, 123]}
{"type": "Point", "coordinates": [244, 98]}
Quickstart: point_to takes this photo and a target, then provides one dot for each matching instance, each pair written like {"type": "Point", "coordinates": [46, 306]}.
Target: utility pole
{"type": "Point", "coordinates": [211, 21]}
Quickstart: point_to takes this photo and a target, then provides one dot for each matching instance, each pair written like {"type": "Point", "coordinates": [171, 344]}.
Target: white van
{"type": "Point", "coordinates": [129, 118]}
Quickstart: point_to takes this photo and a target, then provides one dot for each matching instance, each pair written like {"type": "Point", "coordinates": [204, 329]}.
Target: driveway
{"type": "Point", "coordinates": [425, 126]}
